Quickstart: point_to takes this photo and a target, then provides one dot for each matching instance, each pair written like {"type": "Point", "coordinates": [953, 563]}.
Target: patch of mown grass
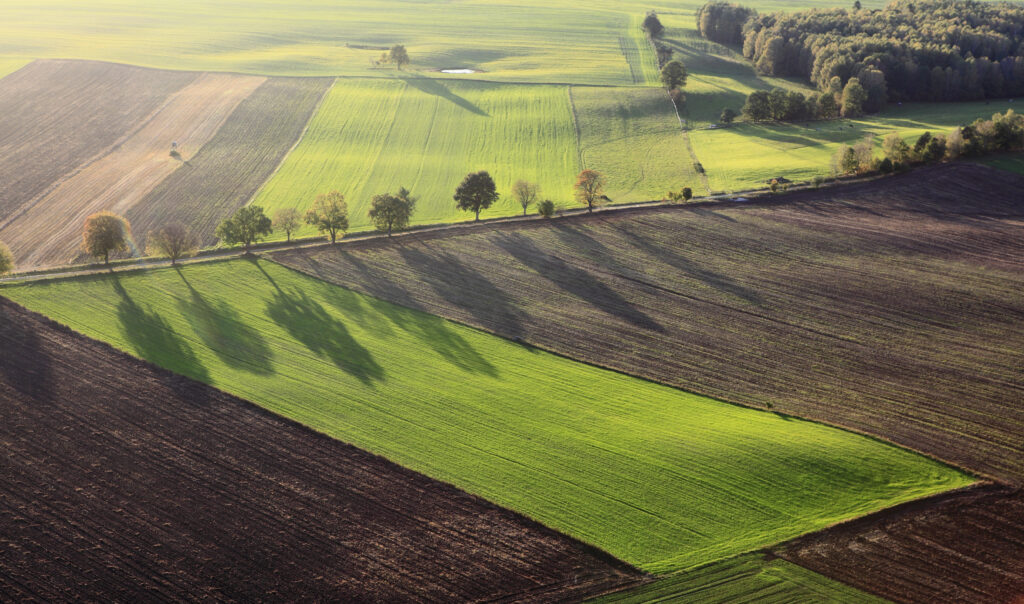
{"type": "Point", "coordinates": [374, 136]}
{"type": "Point", "coordinates": [748, 578]}
{"type": "Point", "coordinates": [656, 476]}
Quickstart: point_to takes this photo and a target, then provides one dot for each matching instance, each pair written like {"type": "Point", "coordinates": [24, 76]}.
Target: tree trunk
{"type": "Point", "coordinates": [478, 215]}
{"type": "Point", "coordinates": [106, 257]}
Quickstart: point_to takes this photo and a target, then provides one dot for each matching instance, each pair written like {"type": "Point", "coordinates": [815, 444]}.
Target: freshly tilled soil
{"type": "Point", "coordinates": [123, 482]}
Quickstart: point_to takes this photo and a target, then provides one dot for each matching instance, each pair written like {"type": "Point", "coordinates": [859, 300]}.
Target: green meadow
{"type": "Point", "coordinates": [746, 156]}
{"type": "Point", "coordinates": [374, 136]}
{"type": "Point", "coordinates": [658, 477]}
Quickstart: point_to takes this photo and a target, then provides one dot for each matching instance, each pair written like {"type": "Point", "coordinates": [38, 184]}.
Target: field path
{"type": "Point", "coordinates": [119, 180]}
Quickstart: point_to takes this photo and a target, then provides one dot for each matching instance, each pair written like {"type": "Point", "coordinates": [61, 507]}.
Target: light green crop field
{"type": "Point", "coordinates": [748, 578]}
{"type": "Point", "coordinates": [633, 137]}
{"type": "Point", "coordinates": [374, 136]}
{"type": "Point", "coordinates": [746, 156]}
{"type": "Point", "coordinates": [530, 40]}
{"type": "Point", "coordinates": [658, 477]}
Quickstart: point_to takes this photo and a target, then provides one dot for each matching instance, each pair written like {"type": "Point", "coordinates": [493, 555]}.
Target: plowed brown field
{"type": "Point", "coordinates": [894, 307]}
{"type": "Point", "coordinates": [229, 169]}
{"type": "Point", "coordinates": [49, 231]}
{"type": "Point", "coordinates": [963, 547]}
{"type": "Point", "coordinates": [123, 482]}
{"type": "Point", "coordinates": [57, 115]}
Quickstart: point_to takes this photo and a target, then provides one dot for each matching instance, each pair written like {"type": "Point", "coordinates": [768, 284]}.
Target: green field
{"type": "Point", "coordinates": [632, 136]}
{"type": "Point", "coordinates": [748, 578]}
{"type": "Point", "coordinates": [658, 477]}
{"type": "Point", "coordinates": [746, 156]}
{"type": "Point", "coordinates": [374, 136]}
{"type": "Point", "coordinates": [1013, 163]}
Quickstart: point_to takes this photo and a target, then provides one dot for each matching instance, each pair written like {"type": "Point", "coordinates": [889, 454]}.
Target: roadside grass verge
{"type": "Point", "coordinates": [658, 477]}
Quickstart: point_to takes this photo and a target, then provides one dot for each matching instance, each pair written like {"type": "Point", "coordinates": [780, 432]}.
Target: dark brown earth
{"type": "Point", "coordinates": [893, 307]}
{"type": "Point", "coordinates": [963, 547]}
{"type": "Point", "coordinates": [56, 115]}
{"type": "Point", "coordinates": [122, 482]}
{"type": "Point", "coordinates": [225, 174]}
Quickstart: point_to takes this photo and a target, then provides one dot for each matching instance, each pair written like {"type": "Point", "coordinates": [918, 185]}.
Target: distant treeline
{"type": "Point", "coordinates": [932, 50]}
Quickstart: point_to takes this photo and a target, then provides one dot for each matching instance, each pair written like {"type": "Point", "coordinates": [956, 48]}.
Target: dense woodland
{"type": "Point", "coordinates": [936, 50]}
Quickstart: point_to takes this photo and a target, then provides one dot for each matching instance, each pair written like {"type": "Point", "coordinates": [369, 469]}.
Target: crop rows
{"type": "Point", "coordinates": [57, 115]}
{"type": "Point", "coordinates": [374, 136]}
{"type": "Point", "coordinates": [123, 482]}
{"type": "Point", "coordinates": [891, 307]}
{"type": "Point", "coordinates": [227, 171]}
{"type": "Point", "coordinates": [122, 178]}
{"type": "Point", "coordinates": [655, 476]}
{"type": "Point", "coordinates": [962, 547]}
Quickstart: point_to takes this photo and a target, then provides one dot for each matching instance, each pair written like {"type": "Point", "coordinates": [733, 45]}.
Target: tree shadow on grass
{"type": "Point", "coordinates": [439, 335]}
{"type": "Point", "coordinates": [575, 281]}
{"type": "Point", "coordinates": [222, 330]}
{"type": "Point", "coordinates": [437, 88]}
{"type": "Point", "coordinates": [325, 336]}
{"type": "Point", "coordinates": [463, 287]}
{"type": "Point", "coordinates": [154, 339]}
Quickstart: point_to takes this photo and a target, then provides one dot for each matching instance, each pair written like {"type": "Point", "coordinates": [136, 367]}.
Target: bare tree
{"type": "Point", "coordinates": [172, 240]}
{"type": "Point", "coordinates": [287, 220]}
{"type": "Point", "coordinates": [525, 193]}
{"type": "Point", "coordinates": [589, 186]}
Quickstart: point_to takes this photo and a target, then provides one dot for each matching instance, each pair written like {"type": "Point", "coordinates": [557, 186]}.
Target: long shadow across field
{"type": "Point", "coordinates": [437, 88]}
{"type": "Point", "coordinates": [154, 338]}
{"type": "Point", "coordinates": [222, 330]}
{"type": "Point", "coordinates": [308, 322]}
{"type": "Point", "coordinates": [455, 279]}
{"type": "Point", "coordinates": [575, 281]}
{"type": "Point", "coordinates": [34, 381]}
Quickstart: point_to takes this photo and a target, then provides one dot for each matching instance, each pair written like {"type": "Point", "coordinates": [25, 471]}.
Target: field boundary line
{"type": "Point", "coordinates": [576, 127]}
{"type": "Point", "coordinates": [302, 135]}
{"type": "Point", "coordinates": [103, 152]}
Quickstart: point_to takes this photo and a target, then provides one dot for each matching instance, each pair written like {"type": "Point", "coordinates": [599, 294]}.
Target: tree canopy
{"type": "Point", "coordinates": [673, 75]}
{"type": "Point", "coordinates": [173, 240]}
{"type": "Point", "coordinates": [246, 226]}
{"type": "Point", "coordinates": [525, 193]}
{"type": "Point", "coordinates": [398, 55]}
{"type": "Point", "coordinates": [329, 214]}
{"type": "Point", "coordinates": [930, 50]}
{"type": "Point", "coordinates": [392, 212]}
{"type": "Point", "coordinates": [6, 259]}
{"type": "Point", "coordinates": [652, 25]}
{"type": "Point", "coordinates": [105, 233]}
{"type": "Point", "coordinates": [476, 192]}
{"type": "Point", "coordinates": [287, 220]}
{"type": "Point", "coordinates": [589, 187]}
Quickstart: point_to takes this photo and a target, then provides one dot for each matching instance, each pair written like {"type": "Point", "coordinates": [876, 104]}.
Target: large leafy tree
{"type": "Point", "coordinates": [329, 214]}
{"type": "Point", "coordinates": [673, 75]}
{"type": "Point", "coordinates": [589, 187]}
{"type": "Point", "coordinates": [6, 259]}
{"type": "Point", "coordinates": [392, 212]}
{"type": "Point", "coordinates": [399, 56]}
{"type": "Point", "coordinates": [247, 226]}
{"type": "Point", "coordinates": [476, 192]}
{"type": "Point", "coordinates": [105, 233]}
